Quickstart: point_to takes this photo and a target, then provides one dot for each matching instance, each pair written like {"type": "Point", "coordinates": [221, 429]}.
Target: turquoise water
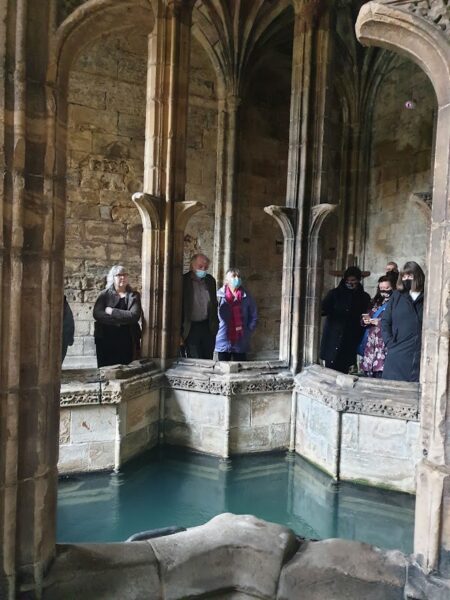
{"type": "Point", "coordinates": [169, 487]}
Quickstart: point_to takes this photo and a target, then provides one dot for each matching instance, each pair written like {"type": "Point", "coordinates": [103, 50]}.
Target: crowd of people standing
{"type": "Point", "coordinates": [385, 331]}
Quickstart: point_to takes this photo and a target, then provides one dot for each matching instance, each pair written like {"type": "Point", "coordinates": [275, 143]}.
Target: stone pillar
{"type": "Point", "coordinates": [165, 162]}
{"type": "Point", "coordinates": [432, 524]}
{"type": "Point", "coordinates": [414, 30]}
{"type": "Point", "coordinates": [225, 209]}
{"type": "Point", "coordinates": [31, 310]}
{"type": "Point", "coordinates": [309, 80]}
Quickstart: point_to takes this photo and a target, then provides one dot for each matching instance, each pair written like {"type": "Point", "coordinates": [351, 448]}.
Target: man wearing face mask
{"type": "Point", "coordinates": [401, 325]}
{"type": "Point", "coordinates": [199, 322]}
{"type": "Point", "coordinates": [343, 307]}
{"type": "Point", "coordinates": [237, 319]}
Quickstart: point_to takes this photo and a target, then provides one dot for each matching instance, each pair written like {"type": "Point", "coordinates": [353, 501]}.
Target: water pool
{"type": "Point", "coordinates": [169, 487]}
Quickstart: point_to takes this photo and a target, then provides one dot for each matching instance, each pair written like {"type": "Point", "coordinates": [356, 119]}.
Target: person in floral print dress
{"type": "Point", "coordinates": [374, 356]}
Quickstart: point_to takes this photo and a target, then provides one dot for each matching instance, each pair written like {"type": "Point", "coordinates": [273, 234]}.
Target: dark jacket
{"type": "Point", "coordinates": [68, 328]}
{"type": "Point", "coordinates": [188, 295]}
{"type": "Point", "coordinates": [130, 316]}
{"type": "Point", "coordinates": [342, 331]}
{"type": "Point", "coordinates": [401, 327]}
{"type": "Point", "coordinates": [249, 321]}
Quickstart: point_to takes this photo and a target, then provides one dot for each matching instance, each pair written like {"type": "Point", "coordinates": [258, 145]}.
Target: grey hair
{"type": "Point", "coordinates": [115, 270]}
{"type": "Point", "coordinates": [198, 255]}
{"type": "Point", "coordinates": [232, 271]}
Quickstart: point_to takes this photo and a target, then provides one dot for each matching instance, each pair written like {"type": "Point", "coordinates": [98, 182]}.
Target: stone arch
{"type": "Point", "coordinates": [83, 27]}
{"type": "Point", "coordinates": [401, 30]}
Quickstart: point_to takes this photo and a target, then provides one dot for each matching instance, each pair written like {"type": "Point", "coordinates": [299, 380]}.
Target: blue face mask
{"type": "Point", "coordinates": [200, 274]}
{"type": "Point", "coordinates": [235, 282]}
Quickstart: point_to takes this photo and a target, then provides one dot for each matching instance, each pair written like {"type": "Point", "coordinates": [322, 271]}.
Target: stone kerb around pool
{"type": "Point", "coordinates": [353, 428]}
{"type": "Point", "coordinates": [108, 416]}
{"type": "Point", "coordinates": [228, 408]}
{"type": "Point", "coordinates": [357, 429]}
{"type": "Point", "coordinates": [231, 557]}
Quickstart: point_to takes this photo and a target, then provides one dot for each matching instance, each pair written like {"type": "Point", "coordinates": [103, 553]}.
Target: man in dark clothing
{"type": "Point", "coordinates": [401, 326]}
{"type": "Point", "coordinates": [343, 307]}
{"type": "Point", "coordinates": [199, 318]}
{"type": "Point", "coordinates": [68, 329]}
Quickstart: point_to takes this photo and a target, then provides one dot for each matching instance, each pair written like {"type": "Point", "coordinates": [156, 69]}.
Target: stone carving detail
{"type": "Point", "coordinates": [90, 396]}
{"type": "Point", "coordinates": [108, 392]}
{"type": "Point", "coordinates": [436, 12]}
{"type": "Point", "coordinates": [388, 408]}
{"type": "Point", "coordinates": [229, 387]}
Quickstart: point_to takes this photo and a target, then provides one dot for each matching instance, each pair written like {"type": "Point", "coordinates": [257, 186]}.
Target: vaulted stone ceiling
{"type": "Point", "coordinates": [231, 32]}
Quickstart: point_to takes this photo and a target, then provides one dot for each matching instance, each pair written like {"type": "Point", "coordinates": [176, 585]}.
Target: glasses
{"type": "Point", "coordinates": [121, 275]}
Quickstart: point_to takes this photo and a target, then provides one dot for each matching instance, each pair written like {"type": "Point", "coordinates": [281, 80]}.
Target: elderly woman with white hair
{"type": "Point", "coordinates": [117, 312]}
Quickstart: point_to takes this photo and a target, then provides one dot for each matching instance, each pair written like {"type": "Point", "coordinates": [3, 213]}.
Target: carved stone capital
{"type": "Point", "coordinates": [184, 211]}
{"type": "Point", "coordinates": [286, 217]}
{"type": "Point", "coordinates": [424, 202]}
{"type": "Point", "coordinates": [319, 214]}
{"type": "Point", "coordinates": [150, 208]}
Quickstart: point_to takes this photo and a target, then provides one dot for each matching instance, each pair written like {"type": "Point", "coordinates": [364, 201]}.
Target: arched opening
{"type": "Point", "coordinates": [201, 153]}
{"type": "Point", "coordinates": [105, 162]}
{"type": "Point", "coordinates": [262, 164]}
{"type": "Point", "coordinates": [423, 41]}
{"type": "Point", "coordinates": [400, 164]}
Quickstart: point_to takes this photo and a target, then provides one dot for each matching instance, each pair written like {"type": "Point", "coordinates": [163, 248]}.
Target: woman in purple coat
{"type": "Point", "coordinates": [237, 319]}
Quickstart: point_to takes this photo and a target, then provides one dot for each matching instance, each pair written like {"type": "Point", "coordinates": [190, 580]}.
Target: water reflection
{"type": "Point", "coordinates": [169, 487]}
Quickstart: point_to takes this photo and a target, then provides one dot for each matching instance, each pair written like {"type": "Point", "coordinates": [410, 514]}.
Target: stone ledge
{"type": "Point", "coordinates": [229, 379]}
{"type": "Point", "coordinates": [351, 394]}
{"type": "Point", "coordinates": [229, 557]}
{"type": "Point", "coordinates": [109, 385]}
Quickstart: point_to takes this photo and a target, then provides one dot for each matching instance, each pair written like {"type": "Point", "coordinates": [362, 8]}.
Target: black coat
{"type": "Point", "coordinates": [343, 331]}
{"type": "Point", "coordinates": [118, 335]}
{"type": "Point", "coordinates": [401, 327]}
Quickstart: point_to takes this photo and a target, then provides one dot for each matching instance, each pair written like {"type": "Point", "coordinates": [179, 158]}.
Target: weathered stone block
{"type": "Point", "coordinates": [93, 424]}
{"type": "Point", "coordinates": [207, 409]}
{"type": "Point", "coordinates": [142, 411]}
{"type": "Point", "coordinates": [101, 455]}
{"type": "Point", "coordinates": [342, 569]}
{"type": "Point", "coordinates": [240, 553]}
{"type": "Point", "coordinates": [271, 408]}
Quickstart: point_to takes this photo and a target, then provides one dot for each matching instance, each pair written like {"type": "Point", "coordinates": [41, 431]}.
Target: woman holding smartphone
{"type": "Point", "coordinates": [373, 349]}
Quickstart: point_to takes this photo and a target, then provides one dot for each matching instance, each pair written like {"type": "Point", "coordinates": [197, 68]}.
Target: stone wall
{"type": "Point", "coordinates": [105, 149]}
{"type": "Point", "coordinates": [358, 430]}
{"type": "Point", "coordinates": [201, 153]}
{"type": "Point", "coordinates": [400, 164]}
{"type": "Point", "coordinates": [262, 154]}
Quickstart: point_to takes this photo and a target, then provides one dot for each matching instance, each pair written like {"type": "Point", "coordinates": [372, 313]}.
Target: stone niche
{"type": "Point", "coordinates": [108, 416]}
{"type": "Point", "coordinates": [357, 429]}
{"type": "Point", "coordinates": [228, 408]}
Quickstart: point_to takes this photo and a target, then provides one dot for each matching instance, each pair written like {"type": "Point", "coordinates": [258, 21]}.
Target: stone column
{"type": "Point", "coordinates": [32, 285]}
{"type": "Point", "coordinates": [225, 208]}
{"type": "Point", "coordinates": [432, 523]}
{"type": "Point", "coordinates": [165, 161]}
{"type": "Point", "coordinates": [305, 152]}
{"type": "Point", "coordinates": [414, 30]}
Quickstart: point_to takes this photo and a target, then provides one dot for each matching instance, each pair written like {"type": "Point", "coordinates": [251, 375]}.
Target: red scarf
{"type": "Point", "coordinates": [235, 328]}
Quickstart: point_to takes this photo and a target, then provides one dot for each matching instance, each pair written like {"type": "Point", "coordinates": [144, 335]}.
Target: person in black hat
{"type": "Point", "coordinates": [343, 307]}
